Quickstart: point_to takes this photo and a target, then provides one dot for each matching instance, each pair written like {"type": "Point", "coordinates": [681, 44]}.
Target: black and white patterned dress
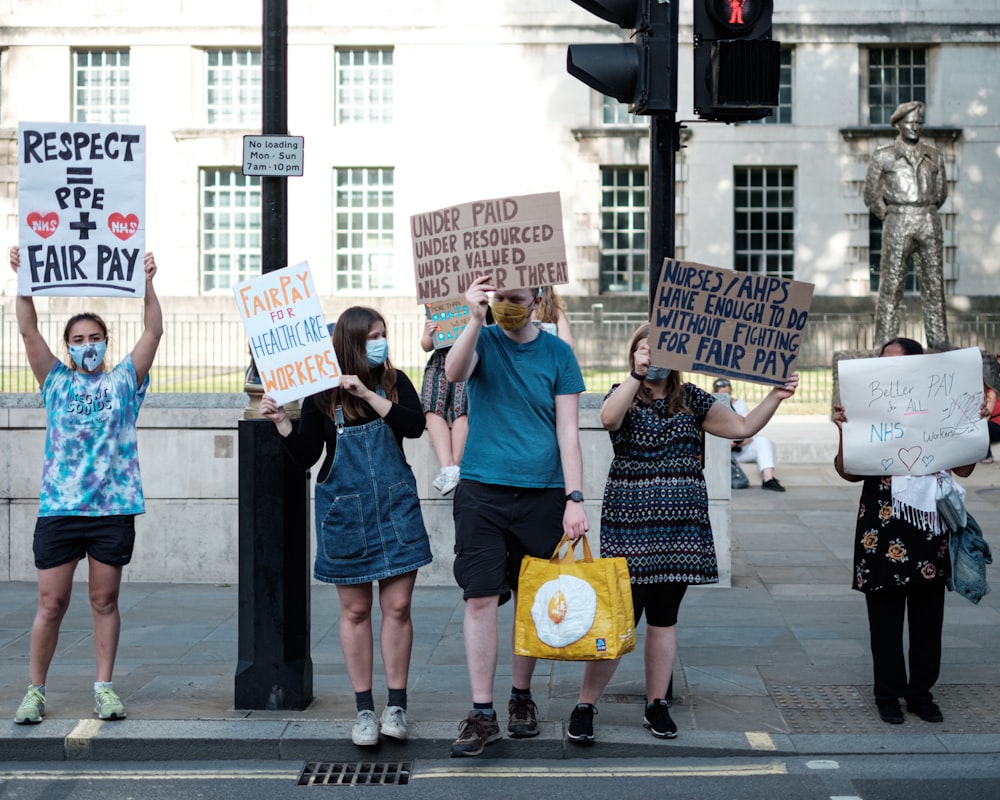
{"type": "Point", "coordinates": [655, 510]}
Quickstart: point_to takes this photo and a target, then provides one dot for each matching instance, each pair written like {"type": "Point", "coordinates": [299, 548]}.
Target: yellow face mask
{"type": "Point", "coordinates": [510, 316]}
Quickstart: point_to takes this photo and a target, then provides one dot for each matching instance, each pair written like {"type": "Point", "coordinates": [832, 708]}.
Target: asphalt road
{"type": "Point", "coordinates": [874, 777]}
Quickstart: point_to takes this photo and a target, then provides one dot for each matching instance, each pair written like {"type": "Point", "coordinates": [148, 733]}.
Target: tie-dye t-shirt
{"type": "Point", "coordinates": [91, 464]}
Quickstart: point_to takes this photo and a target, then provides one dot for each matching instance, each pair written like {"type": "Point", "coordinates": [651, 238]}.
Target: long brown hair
{"type": "Point", "coordinates": [349, 337]}
{"type": "Point", "coordinates": [550, 305]}
{"type": "Point", "coordinates": [676, 402]}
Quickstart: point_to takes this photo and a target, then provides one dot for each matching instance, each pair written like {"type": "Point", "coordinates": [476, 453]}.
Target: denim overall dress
{"type": "Point", "coordinates": [368, 520]}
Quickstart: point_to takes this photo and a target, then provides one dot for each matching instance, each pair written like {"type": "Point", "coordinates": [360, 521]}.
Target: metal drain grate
{"type": "Point", "coordinates": [355, 773]}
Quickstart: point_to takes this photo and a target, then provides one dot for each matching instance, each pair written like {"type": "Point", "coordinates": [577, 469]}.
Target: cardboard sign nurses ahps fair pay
{"type": "Point", "coordinates": [734, 324]}
{"type": "Point", "coordinates": [81, 209]}
{"type": "Point", "coordinates": [288, 337]}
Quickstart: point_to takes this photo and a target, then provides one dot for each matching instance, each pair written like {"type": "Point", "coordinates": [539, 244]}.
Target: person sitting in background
{"type": "Point", "coordinates": [759, 448]}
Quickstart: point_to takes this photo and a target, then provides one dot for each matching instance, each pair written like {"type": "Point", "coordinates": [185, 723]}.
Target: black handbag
{"type": "Point", "coordinates": [738, 476]}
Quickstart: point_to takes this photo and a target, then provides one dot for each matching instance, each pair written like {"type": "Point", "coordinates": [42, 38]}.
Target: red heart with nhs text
{"type": "Point", "coordinates": [124, 227]}
{"type": "Point", "coordinates": [43, 224]}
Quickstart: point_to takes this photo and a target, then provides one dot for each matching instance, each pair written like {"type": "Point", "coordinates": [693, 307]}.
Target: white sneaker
{"type": "Point", "coordinates": [365, 730]}
{"type": "Point", "coordinates": [450, 481]}
{"type": "Point", "coordinates": [394, 722]}
{"type": "Point", "coordinates": [442, 476]}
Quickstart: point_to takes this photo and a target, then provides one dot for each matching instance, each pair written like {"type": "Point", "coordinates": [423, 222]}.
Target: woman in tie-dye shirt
{"type": "Point", "coordinates": [91, 488]}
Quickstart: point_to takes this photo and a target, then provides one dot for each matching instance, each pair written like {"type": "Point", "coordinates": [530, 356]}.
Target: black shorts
{"type": "Point", "coordinates": [495, 527]}
{"type": "Point", "coordinates": [60, 540]}
{"type": "Point", "coordinates": [660, 601]}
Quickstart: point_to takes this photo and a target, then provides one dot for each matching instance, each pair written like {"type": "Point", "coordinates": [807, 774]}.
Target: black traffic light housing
{"type": "Point", "coordinates": [643, 72]}
{"type": "Point", "coordinates": [737, 66]}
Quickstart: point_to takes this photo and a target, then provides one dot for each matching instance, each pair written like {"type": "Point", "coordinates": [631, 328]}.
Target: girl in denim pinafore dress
{"type": "Point", "coordinates": [368, 522]}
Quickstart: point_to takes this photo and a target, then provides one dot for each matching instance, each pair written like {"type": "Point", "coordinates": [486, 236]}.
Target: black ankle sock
{"type": "Point", "coordinates": [522, 694]}
{"type": "Point", "coordinates": [364, 701]}
{"type": "Point", "coordinates": [397, 697]}
{"type": "Point", "coordinates": [486, 709]}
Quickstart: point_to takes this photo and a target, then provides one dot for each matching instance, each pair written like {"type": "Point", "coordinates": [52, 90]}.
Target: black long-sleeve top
{"type": "Point", "coordinates": [316, 429]}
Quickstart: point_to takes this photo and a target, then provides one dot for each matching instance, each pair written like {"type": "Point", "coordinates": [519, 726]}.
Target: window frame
{"type": "Point", "coordinates": [245, 258]}
{"type": "Point", "coordinates": [364, 255]}
{"type": "Point", "coordinates": [774, 238]}
{"type": "Point", "coordinates": [242, 106]}
{"type": "Point", "coordinates": [106, 111]}
{"type": "Point", "coordinates": [631, 262]}
{"type": "Point", "coordinates": [368, 101]}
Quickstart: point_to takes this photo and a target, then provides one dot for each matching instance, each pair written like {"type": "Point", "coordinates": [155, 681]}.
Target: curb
{"type": "Point", "coordinates": [241, 740]}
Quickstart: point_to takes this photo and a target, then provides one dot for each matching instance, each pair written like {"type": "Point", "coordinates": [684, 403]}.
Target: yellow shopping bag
{"type": "Point", "coordinates": [570, 610]}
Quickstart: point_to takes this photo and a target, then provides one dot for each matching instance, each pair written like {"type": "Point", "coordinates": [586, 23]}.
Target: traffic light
{"type": "Point", "coordinates": [737, 67]}
{"type": "Point", "coordinates": [643, 72]}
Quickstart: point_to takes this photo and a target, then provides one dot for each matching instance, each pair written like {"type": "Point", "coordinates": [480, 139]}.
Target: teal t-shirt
{"type": "Point", "coordinates": [91, 466]}
{"type": "Point", "coordinates": [512, 409]}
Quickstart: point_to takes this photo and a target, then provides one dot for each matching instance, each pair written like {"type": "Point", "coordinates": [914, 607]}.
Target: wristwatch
{"type": "Point", "coordinates": [575, 497]}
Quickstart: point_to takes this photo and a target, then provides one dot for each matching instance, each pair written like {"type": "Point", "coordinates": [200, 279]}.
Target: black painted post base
{"type": "Point", "coordinates": [275, 666]}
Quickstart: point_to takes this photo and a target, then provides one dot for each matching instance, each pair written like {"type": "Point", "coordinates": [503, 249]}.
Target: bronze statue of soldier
{"type": "Point", "coordinates": [905, 187]}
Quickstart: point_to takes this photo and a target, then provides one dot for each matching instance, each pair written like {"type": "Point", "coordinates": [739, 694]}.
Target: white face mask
{"type": "Point", "coordinates": [89, 356]}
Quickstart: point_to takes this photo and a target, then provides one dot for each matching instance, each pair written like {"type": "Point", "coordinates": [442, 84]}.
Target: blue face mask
{"type": "Point", "coordinates": [89, 356]}
{"type": "Point", "coordinates": [377, 351]}
{"type": "Point", "coordinates": [657, 373]}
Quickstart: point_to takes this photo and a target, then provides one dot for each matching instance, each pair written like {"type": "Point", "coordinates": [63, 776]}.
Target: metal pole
{"type": "Point", "coordinates": [275, 666]}
{"type": "Point", "coordinates": [664, 143]}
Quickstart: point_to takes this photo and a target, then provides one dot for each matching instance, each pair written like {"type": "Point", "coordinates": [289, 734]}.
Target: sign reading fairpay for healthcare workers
{"type": "Point", "coordinates": [912, 415]}
{"type": "Point", "coordinates": [81, 209]}
{"type": "Point", "coordinates": [734, 324]}
{"type": "Point", "coordinates": [516, 241]}
{"type": "Point", "coordinates": [289, 340]}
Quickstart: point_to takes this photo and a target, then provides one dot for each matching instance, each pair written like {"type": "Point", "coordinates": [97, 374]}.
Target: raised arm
{"type": "Point", "coordinates": [40, 356]}
{"type": "Point", "coordinates": [462, 358]}
{"type": "Point", "coordinates": [152, 318]}
{"type": "Point", "coordinates": [723, 421]}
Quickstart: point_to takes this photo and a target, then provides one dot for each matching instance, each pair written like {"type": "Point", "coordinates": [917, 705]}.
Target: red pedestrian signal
{"type": "Point", "coordinates": [737, 66]}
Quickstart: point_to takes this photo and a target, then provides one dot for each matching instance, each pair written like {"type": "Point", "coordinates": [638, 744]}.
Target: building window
{"type": "Point", "coordinates": [764, 220]}
{"type": "Point", "coordinates": [233, 88]}
{"type": "Point", "coordinates": [615, 113]}
{"type": "Point", "coordinates": [895, 75]}
{"type": "Point", "coordinates": [100, 86]}
{"type": "Point", "coordinates": [230, 227]}
{"type": "Point", "coordinates": [363, 247]}
{"type": "Point", "coordinates": [782, 114]}
{"type": "Point", "coordinates": [364, 86]}
{"type": "Point", "coordinates": [624, 203]}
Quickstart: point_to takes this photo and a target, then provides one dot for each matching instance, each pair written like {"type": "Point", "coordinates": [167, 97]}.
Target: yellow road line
{"type": "Point", "coordinates": [719, 771]}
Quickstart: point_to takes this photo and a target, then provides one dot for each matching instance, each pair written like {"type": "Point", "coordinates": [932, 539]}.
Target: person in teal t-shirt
{"type": "Point", "coordinates": [520, 487]}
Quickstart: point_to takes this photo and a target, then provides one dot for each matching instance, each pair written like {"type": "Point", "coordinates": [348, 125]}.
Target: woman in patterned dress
{"type": "Point", "coordinates": [655, 512]}
{"type": "Point", "coordinates": [901, 565]}
{"type": "Point", "coordinates": [91, 487]}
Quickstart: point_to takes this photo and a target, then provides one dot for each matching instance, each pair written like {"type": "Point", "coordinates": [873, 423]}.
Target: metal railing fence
{"type": "Point", "coordinates": [203, 352]}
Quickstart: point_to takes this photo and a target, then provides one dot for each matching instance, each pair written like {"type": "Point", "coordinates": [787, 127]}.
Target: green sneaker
{"type": "Point", "coordinates": [107, 704]}
{"type": "Point", "coordinates": [32, 708]}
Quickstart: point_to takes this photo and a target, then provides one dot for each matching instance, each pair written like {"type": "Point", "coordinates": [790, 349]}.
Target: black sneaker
{"type": "Point", "coordinates": [581, 724]}
{"type": "Point", "coordinates": [928, 711]}
{"type": "Point", "coordinates": [658, 720]}
{"type": "Point", "coordinates": [891, 713]}
{"type": "Point", "coordinates": [523, 722]}
{"type": "Point", "coordinates": [474, 733]}
{"type": "Point", "coordinates": [773, 485]}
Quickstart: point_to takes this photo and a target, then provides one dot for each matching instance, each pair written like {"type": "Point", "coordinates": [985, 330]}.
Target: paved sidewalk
{"type": "Point", "coordinates": [778, 664]}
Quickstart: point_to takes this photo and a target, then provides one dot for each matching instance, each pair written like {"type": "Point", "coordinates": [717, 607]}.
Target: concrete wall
{"type": "Point", "coordinates": [188, 448]}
